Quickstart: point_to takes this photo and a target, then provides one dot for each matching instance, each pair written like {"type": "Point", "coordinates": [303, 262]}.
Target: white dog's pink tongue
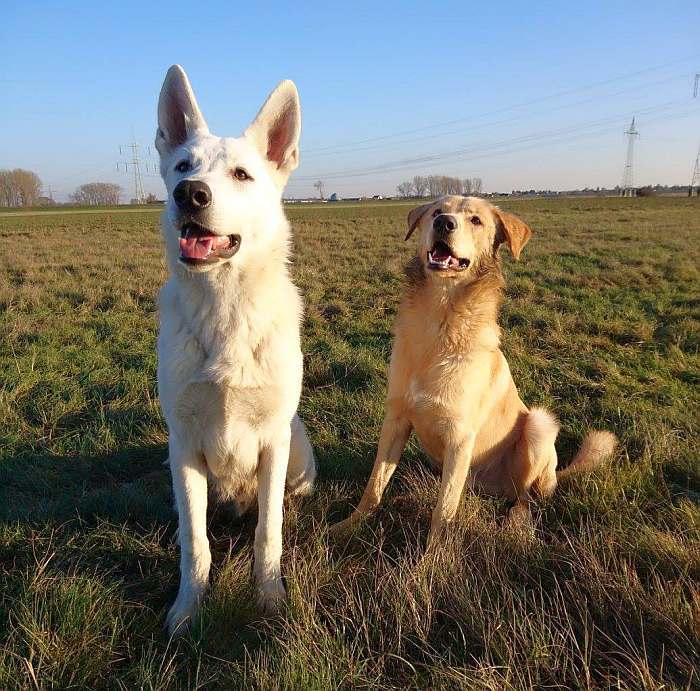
{"type": "Point", "coordinates": [196, 247]}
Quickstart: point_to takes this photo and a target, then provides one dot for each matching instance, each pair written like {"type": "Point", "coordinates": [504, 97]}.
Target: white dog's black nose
{"type": "Point", "coordinates": [445, 223]}
{"type": "Point", "coordinates": [192, 195]}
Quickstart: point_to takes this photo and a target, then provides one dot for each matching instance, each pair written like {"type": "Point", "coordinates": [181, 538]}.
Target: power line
{"type": "Point", "coordinates": [458, 154]}
{"type": "Point", "coordinates": [297, 187]}
{"type": "Point", "coordinates": [510, 107]}
{"type": "Point", "coordinates": [349, 148]}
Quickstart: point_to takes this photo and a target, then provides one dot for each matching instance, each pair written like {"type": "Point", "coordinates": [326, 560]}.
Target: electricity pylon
{"type": "Point", "coordinates": [627, 187]}
{"type": "Point", "coordinates": [695, 178]}
{"type": "Point", "coordinates": [135, 163]}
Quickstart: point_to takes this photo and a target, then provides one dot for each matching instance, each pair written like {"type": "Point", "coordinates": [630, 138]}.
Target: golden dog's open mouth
{"type": "Point", "coordinates": [440, 258]}
{"type": "Point", "coordinates": [200, 245]}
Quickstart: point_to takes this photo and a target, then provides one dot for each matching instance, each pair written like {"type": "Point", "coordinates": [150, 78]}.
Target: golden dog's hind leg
{"type": "Point", "coordinates": [455, 468]}
{"type": "Point", "coordinates": [533, 464]}
{"type": "Point", "coordinates": [392, 441]}
{"type": "Point", "coordinates": [523, 475]}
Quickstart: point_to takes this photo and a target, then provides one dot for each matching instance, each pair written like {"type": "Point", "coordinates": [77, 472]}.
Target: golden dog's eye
{"type": "Point", "coordinates": [436, 213]}
{"type": "Point", "coordinates": [241, 174]}
{"type": "Point", "coordinates": [476, 220]}
{"type": "Point", "coordinates": [183, 167]}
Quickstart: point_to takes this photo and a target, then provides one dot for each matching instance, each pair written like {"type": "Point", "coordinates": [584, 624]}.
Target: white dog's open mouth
{"type": "Point", "coordinates": [197, 244]}
{"type": "Point", "coordinates": [440, 258]}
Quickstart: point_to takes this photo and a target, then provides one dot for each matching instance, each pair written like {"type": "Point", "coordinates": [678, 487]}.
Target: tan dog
{"type": "Point", "coordinates": [449, 381]}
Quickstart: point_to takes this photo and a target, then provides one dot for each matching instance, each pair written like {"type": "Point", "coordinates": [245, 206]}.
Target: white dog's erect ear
{"type": "Point", "coordinates": [276, 129]}
{"type": "Point", "coordinates": [178, 113]}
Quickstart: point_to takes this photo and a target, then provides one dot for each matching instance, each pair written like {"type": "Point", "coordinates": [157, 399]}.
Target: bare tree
{"type": "Point", "coordinates": [319, 186]}
{"type": "Point", "coordinates": [405, 189]}
{"type": "Point", "coordinates": [433, 185]}
{"type": "Point", "coordinates": [19, 187]}
{"type": "Point", "coordinates": [8, 194]}
{"type": "Point", "coordinates": [439, 185]}
{"type": "Point", "coordinates": [453, 185]}
{"type": "Point", "coordinates": [28, 185]}
{"type": "Point", "coordinates": [97, 194]}
{"type": "Point", "coordinates": [420, 186]}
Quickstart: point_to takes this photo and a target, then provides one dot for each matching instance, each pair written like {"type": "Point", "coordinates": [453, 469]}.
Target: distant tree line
{"type": "Point", "coordinates": [19, 187]}
{"type": "Point", "coordinates": [97, 194]}
{"type": "Point", "coordinates": [645, 191]}
{"type": "Point", "coordinates": [439, 185]}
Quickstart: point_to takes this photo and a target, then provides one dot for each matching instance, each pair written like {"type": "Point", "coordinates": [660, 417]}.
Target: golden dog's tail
{"type": "Point", "coordinates": [597, 447]}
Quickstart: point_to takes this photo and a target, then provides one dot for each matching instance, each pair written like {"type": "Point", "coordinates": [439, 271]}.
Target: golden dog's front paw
{"type": "Point", "coordinates": [519, 515]}
{"type": "Point", "coordinates": [439, 524]}
{"type": "Point", "coordinates": [437, 532]}
{"type": "Point", "coordinates": [346, 526]}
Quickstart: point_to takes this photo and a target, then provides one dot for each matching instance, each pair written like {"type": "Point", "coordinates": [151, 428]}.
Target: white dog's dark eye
{"type": "Point", "coordinates": [241, 174]}
{"type": "Point", "coordinates": [183, 167]}
{"type": "Point", "coordinates": [476, 220]}
{"type": "Point", "coordinates": [436, 213]}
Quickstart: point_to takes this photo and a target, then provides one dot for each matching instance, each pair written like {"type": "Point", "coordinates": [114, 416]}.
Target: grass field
{"type": "Point", "coordinates": [600, 324]}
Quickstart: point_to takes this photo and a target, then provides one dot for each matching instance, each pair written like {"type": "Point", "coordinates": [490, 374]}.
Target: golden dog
{"type": "Point", "coordinates": [449, 381]}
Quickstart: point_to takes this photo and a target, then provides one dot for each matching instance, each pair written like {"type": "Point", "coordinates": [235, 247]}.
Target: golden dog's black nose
{"type": "Point", "coordinates": [445, 223]}
{"type": "Point", "coordinates": [192, 195]}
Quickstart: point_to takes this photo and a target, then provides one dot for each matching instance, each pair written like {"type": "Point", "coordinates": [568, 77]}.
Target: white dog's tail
{"type": "Point", "coordinates": [301, 471]}
{"type": "Point", "coordinates": [597, 447]}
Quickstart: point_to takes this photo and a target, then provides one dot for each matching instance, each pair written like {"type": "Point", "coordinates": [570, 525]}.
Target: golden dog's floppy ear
{"type": "Point", "coordinates": [511, 229]}
{"type": "Point", "coordinates": [414, 217]}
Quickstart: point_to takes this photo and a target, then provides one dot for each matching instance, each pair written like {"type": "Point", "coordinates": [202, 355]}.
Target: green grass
{"type": "Point", "coordinates": [600, 324]}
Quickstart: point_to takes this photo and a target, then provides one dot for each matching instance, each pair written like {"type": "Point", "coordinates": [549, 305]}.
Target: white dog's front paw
{"type": "Point", "coordinates": [183, 612]}
{"type": "Point", "coordinates": [272, 596]}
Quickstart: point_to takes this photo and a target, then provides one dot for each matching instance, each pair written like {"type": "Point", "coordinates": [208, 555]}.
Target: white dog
{"type": "Point", "coordinates": [229, 356]}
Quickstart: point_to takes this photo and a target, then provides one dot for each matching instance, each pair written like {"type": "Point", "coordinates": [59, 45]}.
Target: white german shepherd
{"type": "Point", "coordinates": [229, 356]}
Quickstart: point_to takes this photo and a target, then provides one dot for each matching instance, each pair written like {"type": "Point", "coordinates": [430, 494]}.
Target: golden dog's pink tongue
{"type": "Point", "coordinates": [196, 247]}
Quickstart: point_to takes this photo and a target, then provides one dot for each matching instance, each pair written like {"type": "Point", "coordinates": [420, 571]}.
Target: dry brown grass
{"type": "Point", "coordinates": [601, 323]}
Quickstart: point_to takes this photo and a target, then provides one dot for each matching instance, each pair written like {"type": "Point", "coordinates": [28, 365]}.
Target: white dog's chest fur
{"type": "Point", "coordinates": [229, 370]}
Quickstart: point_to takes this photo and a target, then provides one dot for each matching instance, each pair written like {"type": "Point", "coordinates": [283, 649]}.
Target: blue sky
{"type": "Point", "coordinates": [521, 94]}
